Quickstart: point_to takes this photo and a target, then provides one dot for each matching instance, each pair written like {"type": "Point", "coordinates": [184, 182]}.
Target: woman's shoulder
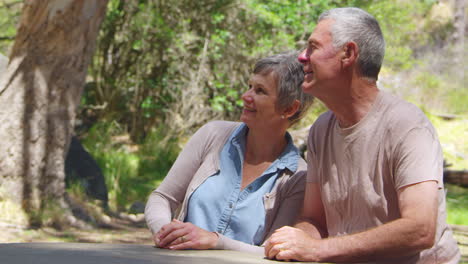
{"type": "Point", "coordinates": [215, 132]}
{"type": "Point", "coordinates": [217, 125]}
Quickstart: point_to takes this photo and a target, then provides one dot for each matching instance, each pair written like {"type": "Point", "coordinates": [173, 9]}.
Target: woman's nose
{"type": "Point", "coordinates": [246, 96]}
{"type": "Point", "coordinates": [302, 58]}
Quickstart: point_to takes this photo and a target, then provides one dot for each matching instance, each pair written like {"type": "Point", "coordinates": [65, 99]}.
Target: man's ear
{"type": "Point", "coordinates": [350, 53]}
{"type": "Point", "coordinates": [292, 109]}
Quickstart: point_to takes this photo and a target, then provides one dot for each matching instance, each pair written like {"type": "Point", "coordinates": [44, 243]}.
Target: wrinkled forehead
{"type": "Point", "coordinates": [264, 75]}
{"type": "Point", "coordinates": [269, 71]}
{"type": "Point", "coordinates": [322, 31]}
{"type": "Point", "coordinates": [264, 69]}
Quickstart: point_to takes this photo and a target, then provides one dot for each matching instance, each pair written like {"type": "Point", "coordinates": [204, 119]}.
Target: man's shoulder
{"type": "Point", "coordinates": [324, 121]}
{"type": "Point", "coordinates": [320, 128]}
{"type": "Point", "coordinates": [402, 115]}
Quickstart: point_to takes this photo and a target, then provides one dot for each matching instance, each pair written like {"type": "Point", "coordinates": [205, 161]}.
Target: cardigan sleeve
{"type": "Point", "coordinates": [164, 201]}
{"type": "Point", "coordinates": [227, 243]}
{"type": "Point", "coordinates": [291, 198]}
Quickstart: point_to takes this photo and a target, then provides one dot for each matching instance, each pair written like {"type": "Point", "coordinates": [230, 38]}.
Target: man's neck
{"type": "Point", "coordinates": [354, 103]}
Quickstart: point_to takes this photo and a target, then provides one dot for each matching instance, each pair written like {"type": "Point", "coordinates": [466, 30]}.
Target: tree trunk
{"type": "Point", "coordinates": [39, 93]}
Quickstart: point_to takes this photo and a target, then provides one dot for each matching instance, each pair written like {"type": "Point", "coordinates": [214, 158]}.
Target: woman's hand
{"type": "Point", "coordinates": [180, 235]}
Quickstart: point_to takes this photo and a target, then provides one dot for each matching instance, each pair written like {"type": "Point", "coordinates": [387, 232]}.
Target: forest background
{"type": "Point", "coordinates": [162, 69]}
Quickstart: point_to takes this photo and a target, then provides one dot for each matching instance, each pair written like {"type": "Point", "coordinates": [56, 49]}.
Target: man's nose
{"type": "Point", "coordinates": [302, 58]}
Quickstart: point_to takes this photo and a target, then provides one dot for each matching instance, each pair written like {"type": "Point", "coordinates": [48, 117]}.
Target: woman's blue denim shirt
{"type": "Point", "coordinates": [219, 204]}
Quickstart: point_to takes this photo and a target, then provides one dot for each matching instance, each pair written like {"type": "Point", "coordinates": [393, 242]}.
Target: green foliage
{"type": "Point", "coordinates": [434, 83]}
{"type": "Point", "coordinates": [9, 14]}
{"type": "Point", "coordinates": [163, 68]}
{"type": "Point", "coordinates": [150, 52]}
{"type": "Point", "coordinates": [157, 155]}
{"type": "Point", "coordinates": [457, 100]}
{"type": "Point", "coordinates": [399, 21]}
{"type": "Point", "coordinates": [167, 68]}
{"type": "Point", "coordinates": [457, 204]}
{"type": "Point", "coordinates": [131, 172]}
{"type": "Point", "coordinates": [453, 135]}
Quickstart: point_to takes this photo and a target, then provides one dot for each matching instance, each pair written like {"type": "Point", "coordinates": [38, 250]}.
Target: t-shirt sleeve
{"type": "Point", "coordinates": [312, 163]}
{"type": "Point", "coordinates": [418, 158]}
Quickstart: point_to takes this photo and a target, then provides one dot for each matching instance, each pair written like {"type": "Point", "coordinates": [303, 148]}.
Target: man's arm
{"type": "Point", "coordinates": [411, 233]}
{"type": "Point", "coordinates": [310, 225]}
{"type": "Point", "coordinates": [312, 219]}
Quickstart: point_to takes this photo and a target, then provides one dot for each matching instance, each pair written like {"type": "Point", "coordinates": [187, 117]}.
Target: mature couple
{"type": "Point", "coordinates": [372, 190]}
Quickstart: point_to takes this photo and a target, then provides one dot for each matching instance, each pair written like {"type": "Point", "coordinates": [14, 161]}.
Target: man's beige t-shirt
{"type": "Point", "coordinates": [360, 169]}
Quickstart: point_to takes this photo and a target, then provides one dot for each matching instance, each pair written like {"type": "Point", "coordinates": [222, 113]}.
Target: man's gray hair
{"type": "Point", "coordinates": [354, 24]}
{"type": "Point", "coordinates": [289, 74]}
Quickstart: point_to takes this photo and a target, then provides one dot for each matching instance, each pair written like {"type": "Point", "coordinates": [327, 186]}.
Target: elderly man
{"type": "Point", "coordinates": [374, 186]}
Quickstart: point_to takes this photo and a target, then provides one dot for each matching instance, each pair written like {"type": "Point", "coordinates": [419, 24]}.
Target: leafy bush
{"type": "Point", "coordinates": [9, 14]}
{"type": "Point", "coordinates": [457, 204]}
{"type": "Point", "coordinates": [453, 135]}
{"type": "Point", "coordinates": [131, 171]}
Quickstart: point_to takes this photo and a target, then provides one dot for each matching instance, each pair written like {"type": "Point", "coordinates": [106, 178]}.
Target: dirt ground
{"type": "Point", "coordinates": [118, 231]}
{"type": "Point", "coordinates": [461, 235]}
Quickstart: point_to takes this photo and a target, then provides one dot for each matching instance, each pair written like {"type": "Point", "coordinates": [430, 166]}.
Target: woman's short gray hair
{"type": "Point", "coordinates": [290, 75]}
{"type": "Point", "coordinates": [354, 24]}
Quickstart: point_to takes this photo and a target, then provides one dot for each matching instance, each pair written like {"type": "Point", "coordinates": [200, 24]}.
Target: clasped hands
{"type": "Point", "coordinates": [286, 243]}
{"type": "Point", "coordinates": [289, 243]}
{"type": "Point", "coordinates": [179, 235]}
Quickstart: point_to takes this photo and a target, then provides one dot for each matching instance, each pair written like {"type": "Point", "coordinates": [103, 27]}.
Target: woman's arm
{"type": "Point", "coordinates": [290, 205]}
{"type": "Point", "coordinates": [288, 211]}
{"type": "Point", "coordinates": [178, 235]}
{"type": "Point", "coordinates": [165, 200]}
{"type": "Point", "coordinates": [231, 244]}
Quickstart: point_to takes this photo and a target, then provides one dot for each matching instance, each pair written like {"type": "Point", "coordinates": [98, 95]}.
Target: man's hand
{"type": "Point", "coordinates": [289, 243]}
{"type": "Point", "coordinates": [179, 235]}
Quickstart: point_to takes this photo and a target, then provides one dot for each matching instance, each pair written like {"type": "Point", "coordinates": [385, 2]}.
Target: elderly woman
{"type": "Point", "coordinates": [235, 183]}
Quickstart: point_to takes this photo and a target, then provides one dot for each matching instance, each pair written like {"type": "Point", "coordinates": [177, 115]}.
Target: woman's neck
{"type": "Point", "coordinates": [264, 145]}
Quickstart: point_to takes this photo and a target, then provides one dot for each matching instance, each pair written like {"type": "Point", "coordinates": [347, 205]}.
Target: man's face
{"type": "Point", "coordinates": [321, 61]}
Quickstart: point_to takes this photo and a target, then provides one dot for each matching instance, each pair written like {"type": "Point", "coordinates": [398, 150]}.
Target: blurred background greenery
{"type": "Point", "coordinates": [163, 68]}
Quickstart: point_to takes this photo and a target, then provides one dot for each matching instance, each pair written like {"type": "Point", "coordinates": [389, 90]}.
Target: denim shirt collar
{"type": "Point", "coordinates": [288, 159]}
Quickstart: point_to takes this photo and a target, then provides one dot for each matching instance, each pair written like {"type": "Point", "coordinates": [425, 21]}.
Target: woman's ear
{"type": "Point", "coordinates": [292, 109]}
{"type": "Point", "coordinates": [350, 53]}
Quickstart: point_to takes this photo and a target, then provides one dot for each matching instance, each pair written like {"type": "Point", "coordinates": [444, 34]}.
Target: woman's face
{"type": "Point", "coordinates": [260, 101]}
